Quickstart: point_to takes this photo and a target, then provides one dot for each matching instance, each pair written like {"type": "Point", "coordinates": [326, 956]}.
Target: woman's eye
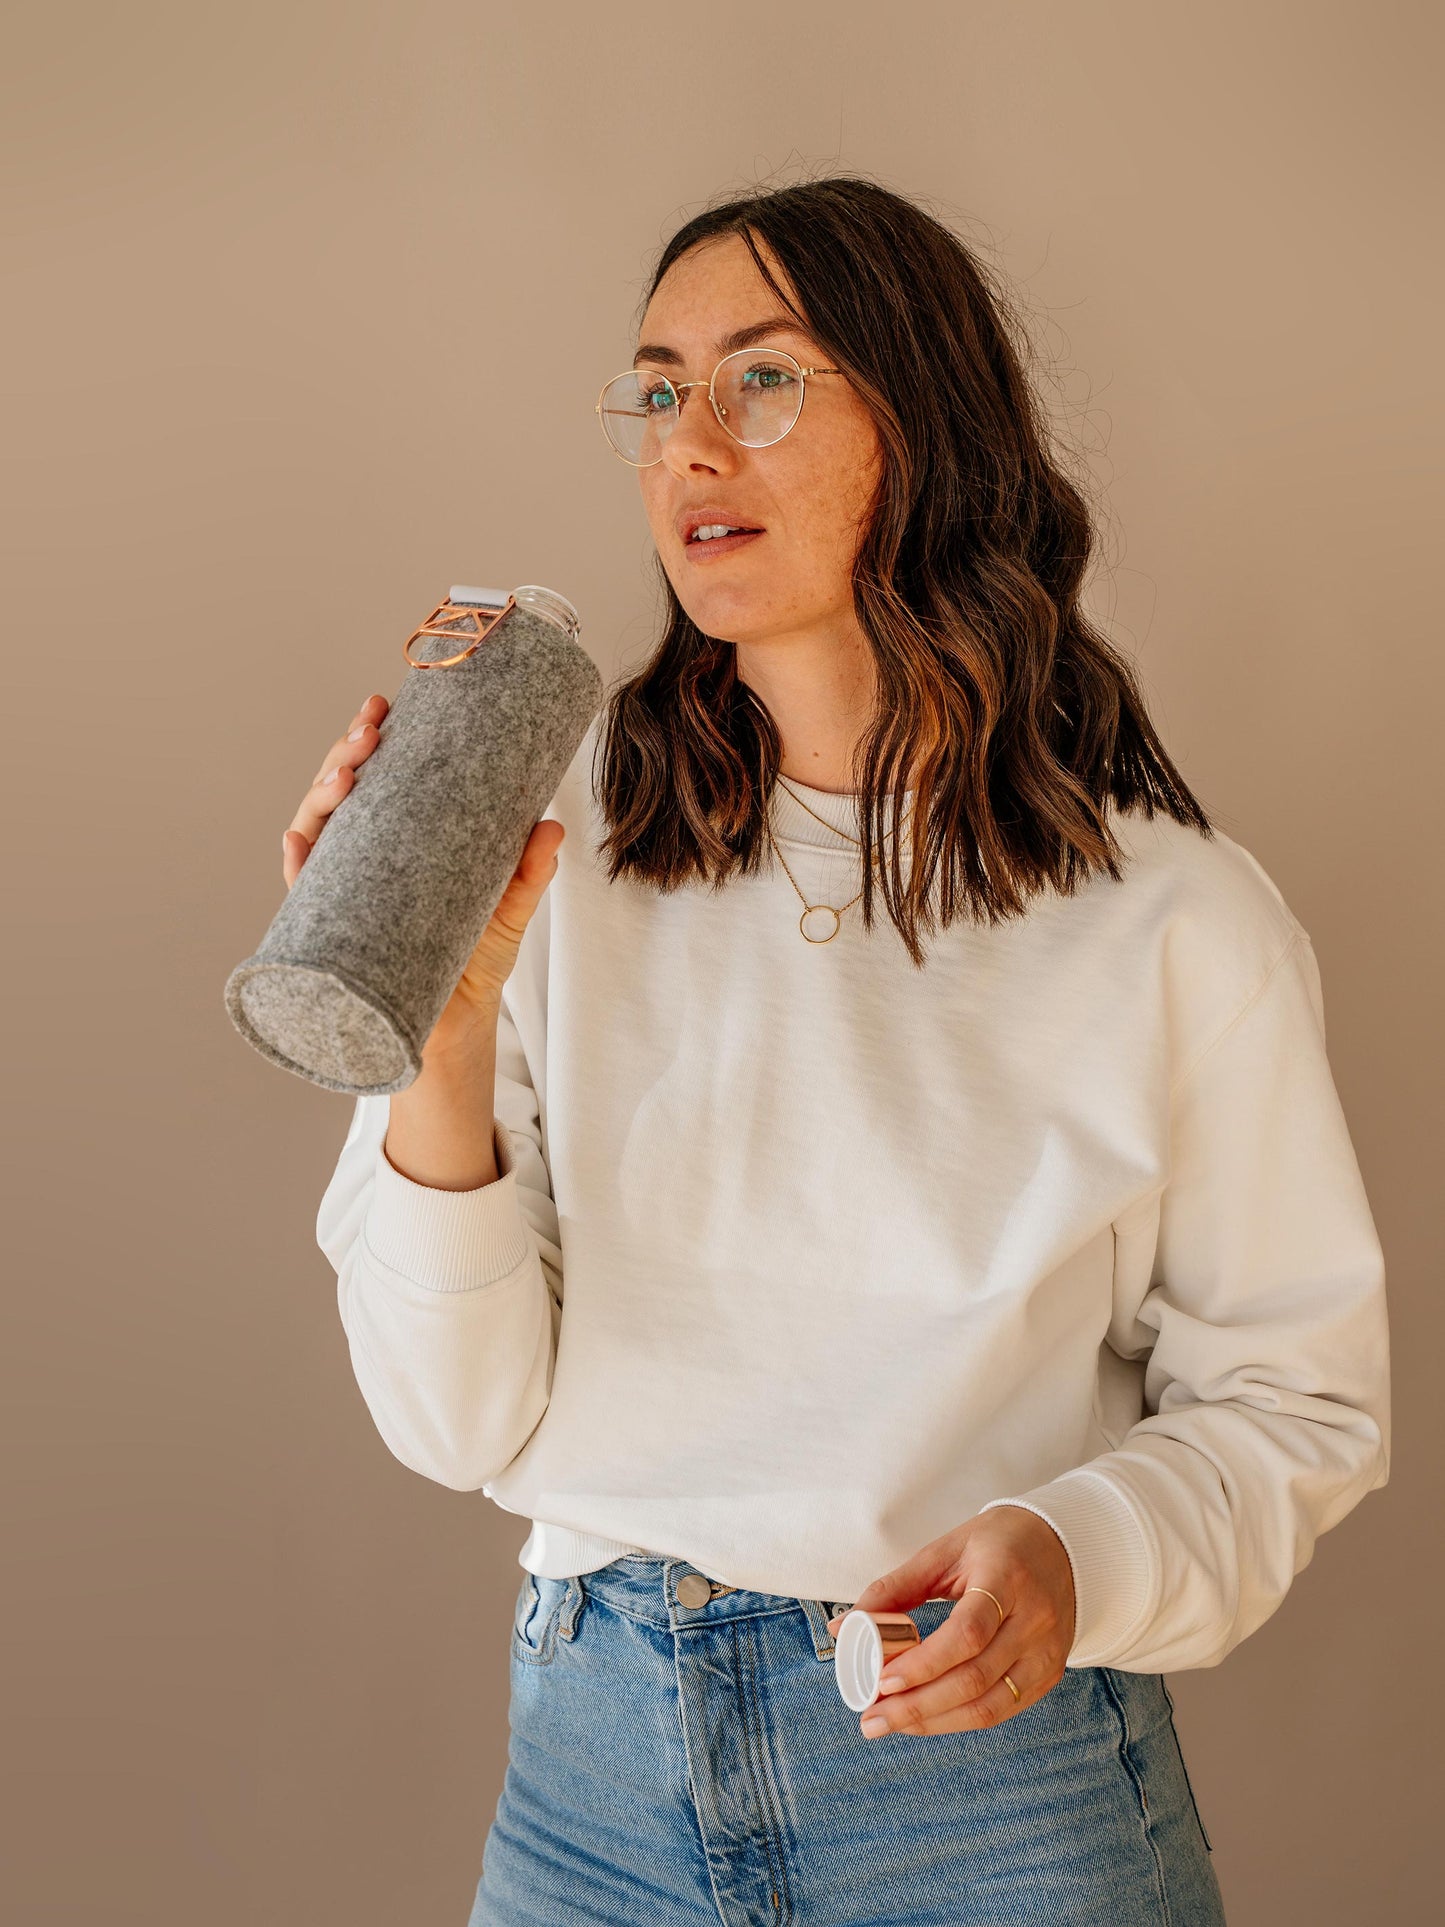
{"type": "Point", "coordinates": [654, 398]}
{"type": "Point", "coordinates": [766, 374]}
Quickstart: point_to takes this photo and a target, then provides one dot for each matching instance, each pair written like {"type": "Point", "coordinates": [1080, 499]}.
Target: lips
{"type": "Point", "coordinates": [710, 515]}
{"type": "Point", "coordinates": [718, 546]}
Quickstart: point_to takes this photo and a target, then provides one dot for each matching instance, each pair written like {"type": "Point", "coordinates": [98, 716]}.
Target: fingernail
{"type": "Point", "coordinates": [357, 734]}
{"type": "Point", "coordinates": [891, 1685]}
{"type": "Point", "coordinates": [872, 1726]}
{"type": "Point", "coordinates": [332, 774]}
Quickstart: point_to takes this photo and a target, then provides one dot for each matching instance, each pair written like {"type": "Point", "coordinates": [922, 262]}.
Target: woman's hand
{"type": "Point", "coordinates": [471, 1011]}
{"type": "Point", "coordinates": [331, 782]}
{"type": "Point", "coordinates": [954, 1679]}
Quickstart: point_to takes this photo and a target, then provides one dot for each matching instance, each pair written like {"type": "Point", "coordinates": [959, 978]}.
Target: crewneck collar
{"type": "Point", "coordinates": [839, 809]}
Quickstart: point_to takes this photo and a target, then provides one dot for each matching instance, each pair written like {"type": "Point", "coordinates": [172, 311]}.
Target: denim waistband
{"type": "Point", "coordinates": [645, 1586]}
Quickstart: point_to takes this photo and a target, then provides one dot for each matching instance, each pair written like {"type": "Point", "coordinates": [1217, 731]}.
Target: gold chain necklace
{"type": "Point", "coordinates": [811, 909]}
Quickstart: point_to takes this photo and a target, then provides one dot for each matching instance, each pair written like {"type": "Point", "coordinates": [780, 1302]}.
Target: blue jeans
{"type": "Point", "coordinates": [673, 1765]}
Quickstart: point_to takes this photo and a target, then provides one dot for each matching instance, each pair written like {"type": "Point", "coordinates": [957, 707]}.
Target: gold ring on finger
{"type": "Point", "coordinates": [1002, 1615]}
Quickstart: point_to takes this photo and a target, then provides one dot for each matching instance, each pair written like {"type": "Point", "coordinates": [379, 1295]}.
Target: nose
{"type": "Point", "coordinates": [699, 440]}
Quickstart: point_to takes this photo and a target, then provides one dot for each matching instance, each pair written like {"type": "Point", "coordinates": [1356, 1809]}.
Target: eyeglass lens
{"type": "Point", "coordinates": [759, 393]}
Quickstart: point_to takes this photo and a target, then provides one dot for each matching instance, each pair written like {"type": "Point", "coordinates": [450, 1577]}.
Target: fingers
{"type": "Point", "coordinates": [954, 1679]}
{"type": "Point", "coordinates": [535, 869]}
{"type": "Point", "coordinates": [543, 842]}
{"type": "Point", "coordinates": [968, 1630]}
{"type": "Point", "coordinates": [358, 741]}
{"type": "Point", "coordinates": [969, 1695]}
{"type": "Point", "coordinates": [969, 1627]}
{"type": "Point", "coordinates": [930, 1572]}
{"type": "Point", "coordinates": [361, 736]}
{"type": "Point", "coordinates": [294, 852]}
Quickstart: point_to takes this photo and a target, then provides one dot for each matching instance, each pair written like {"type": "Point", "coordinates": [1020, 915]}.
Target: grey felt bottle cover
{"type": "Point", "coordinates": [374, 934]}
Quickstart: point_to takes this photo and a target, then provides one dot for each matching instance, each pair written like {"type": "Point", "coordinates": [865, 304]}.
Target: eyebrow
{"type": "Point", "coordinates": [739, 338]}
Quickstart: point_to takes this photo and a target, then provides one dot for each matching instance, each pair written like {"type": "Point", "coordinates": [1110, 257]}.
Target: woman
{"type": "Point", "coordinates": [1023, 1281]}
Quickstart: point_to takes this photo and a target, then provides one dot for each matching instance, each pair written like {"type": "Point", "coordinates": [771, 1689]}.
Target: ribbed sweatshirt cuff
{"type": "Point", "coordinates": [448, 1240]}
{"type": "Point", "coordinates": [1110, 1553]}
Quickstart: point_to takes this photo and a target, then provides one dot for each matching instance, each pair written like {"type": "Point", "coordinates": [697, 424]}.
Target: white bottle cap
{"type": "Point", "coordinates": [859, 1659]}
{"type": "Point", "coordinates": [865, 1644]}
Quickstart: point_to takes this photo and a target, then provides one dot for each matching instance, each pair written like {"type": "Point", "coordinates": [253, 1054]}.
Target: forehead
{"type": "Point", "coordinates": [712, 290]}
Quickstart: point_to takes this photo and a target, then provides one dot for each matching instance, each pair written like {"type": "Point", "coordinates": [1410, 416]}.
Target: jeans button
{"type": "Point", "coordinates": [693, 1589]}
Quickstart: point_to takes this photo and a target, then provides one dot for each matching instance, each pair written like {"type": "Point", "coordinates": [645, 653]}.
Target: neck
{"type": "Point", "coordinates": [818, 687]}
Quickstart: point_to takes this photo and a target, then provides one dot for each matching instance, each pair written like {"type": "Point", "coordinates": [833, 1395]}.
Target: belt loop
{"type": "Point", "coordinates": [818, 1612]}
{"type": "Point", "coordinates": [573, 1600]}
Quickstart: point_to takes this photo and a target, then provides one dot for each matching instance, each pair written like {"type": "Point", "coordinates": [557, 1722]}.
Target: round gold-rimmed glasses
{"type": "Point", "coordinates": [756, 394]}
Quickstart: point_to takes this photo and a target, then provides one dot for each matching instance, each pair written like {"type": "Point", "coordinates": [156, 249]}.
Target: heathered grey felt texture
{"type": "Point", "coordinates": [374, 934]}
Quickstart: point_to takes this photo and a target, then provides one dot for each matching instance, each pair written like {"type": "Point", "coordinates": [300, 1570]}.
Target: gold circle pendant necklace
{"type": "Point", "coordinates": [820, 910]}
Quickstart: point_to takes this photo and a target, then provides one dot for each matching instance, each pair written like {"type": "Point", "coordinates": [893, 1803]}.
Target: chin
{"type": "Point", "coordinates": [738, 612]}
{"type": "Point", "coordinates": [728, 623]}
{"type": "Point", "coordinates": [731, 617]}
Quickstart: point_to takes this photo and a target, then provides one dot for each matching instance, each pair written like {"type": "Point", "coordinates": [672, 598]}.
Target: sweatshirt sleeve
{"type": "Point", "coordinates": [1266, 1383]}
{"type": "Point", "coordinates": [451, 1301]}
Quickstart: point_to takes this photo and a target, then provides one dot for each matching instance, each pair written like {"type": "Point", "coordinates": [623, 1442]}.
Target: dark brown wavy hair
{"type": "Point", "coordinates": [1018, 716]}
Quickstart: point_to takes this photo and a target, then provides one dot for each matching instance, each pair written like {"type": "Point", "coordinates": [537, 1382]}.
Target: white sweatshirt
{"type": "Point", "coordinates": [800, 1257]}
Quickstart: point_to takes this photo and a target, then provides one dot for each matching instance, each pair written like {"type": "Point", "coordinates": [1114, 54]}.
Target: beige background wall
{"type": "Point", "coordinates": [306, 306]}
